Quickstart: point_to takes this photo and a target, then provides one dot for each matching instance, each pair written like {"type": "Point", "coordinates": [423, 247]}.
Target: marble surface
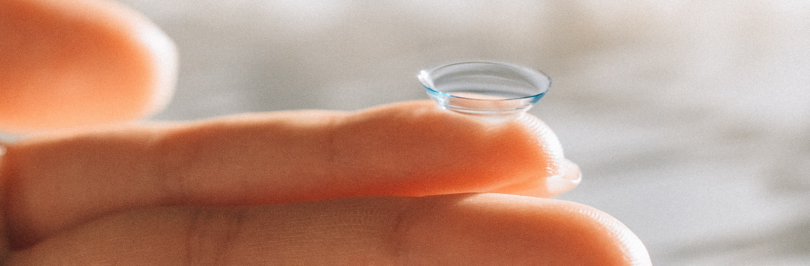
{"type": "Point", "coordinates": [690, 120]}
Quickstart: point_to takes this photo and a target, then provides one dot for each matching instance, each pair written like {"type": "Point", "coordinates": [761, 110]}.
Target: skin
{"type": "Point", "coordinates": [92, 62]}
{"type": "Point", "coordinates": [401, 184]}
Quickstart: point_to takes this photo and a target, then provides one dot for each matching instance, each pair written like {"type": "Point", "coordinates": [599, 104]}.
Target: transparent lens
{"type": "Point", "coordinates": [494, 90]}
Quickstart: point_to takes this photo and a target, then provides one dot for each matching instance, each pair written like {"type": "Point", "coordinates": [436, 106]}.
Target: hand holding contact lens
{"type": "Point", "coordinates": [495, 91]}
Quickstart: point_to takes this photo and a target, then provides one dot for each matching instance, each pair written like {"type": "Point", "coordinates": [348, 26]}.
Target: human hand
{"type": "Point", "coordinates": [400, 184]}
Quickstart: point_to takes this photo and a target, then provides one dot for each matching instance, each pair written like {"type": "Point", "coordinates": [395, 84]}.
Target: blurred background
{"type": "Point", "coordinates": [690, 119]}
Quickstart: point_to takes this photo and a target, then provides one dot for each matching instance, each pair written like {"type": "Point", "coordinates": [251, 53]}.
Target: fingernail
{"type": "Point", "coordinates": [572, 172]}
{"type": "Point", "coordinates": [568, 180]}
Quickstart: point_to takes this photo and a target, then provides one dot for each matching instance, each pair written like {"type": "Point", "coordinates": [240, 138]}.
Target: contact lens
{"type": "Point", "coordinates": [495, 91]}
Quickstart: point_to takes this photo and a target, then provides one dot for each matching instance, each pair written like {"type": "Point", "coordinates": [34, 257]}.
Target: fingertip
{"type": "Point", "coordinates": [552, 173]}
{"type": "Point", "coordinates": [522, 156]}
{"type": "Point", "coordinates": [51, 79]}
{"type": "Point", "coordinates": [165, 59]}
{"type": "Point", "coordinates": [490, 229]}
{"type": "Point", "coordinates": [612, 237]}
{"type": "Point", "coordinates": [547, 187]}
{"type": "Point", "coordinates": [569, 178]}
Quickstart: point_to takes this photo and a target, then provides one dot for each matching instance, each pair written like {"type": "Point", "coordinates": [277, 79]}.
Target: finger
{"type": "Point", "coordinates": [406, 149]}
{"type": "Point", "coordinates": [4, 243]}
{"type": "Point", "coordinates": [78, 62]}
{"type": "Point", "coordinates": [568, 179]}
{"type": "Point", "coordinates": [441, 230]}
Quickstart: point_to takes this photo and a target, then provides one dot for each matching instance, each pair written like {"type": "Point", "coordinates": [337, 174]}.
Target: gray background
{"type": "Point", "coordinates": [690, 119]}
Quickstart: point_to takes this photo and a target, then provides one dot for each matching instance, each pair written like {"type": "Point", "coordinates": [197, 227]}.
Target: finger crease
{"type": "Point", "coordinates": [398, 238]}
{"type": "Point", "coordinates": [210, 235]}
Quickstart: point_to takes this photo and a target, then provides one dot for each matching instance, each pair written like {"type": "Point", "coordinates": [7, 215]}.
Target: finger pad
{"type": "Point", "coordinates": [500, 229]}
{"type": "Point", "coordinates": [437, 152]}
{"type": "Point", "coordinates": [73, 63]}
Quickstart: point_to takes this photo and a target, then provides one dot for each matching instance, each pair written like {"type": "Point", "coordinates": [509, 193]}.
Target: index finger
{"type": "Point", "coordinates": [406, 149]}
